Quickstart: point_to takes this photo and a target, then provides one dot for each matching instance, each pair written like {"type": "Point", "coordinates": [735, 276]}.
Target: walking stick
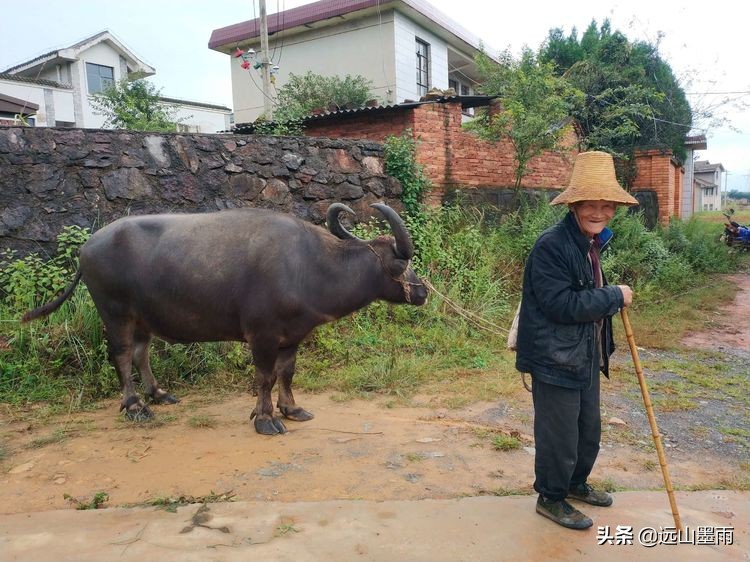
{"type": "Point", "coordinates": [651, 418]}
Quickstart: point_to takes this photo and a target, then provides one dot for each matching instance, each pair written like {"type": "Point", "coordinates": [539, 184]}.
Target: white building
{"type": "Point", "coordinates": [707, 191]}
{"type": "Point", "coordinates": [59, 85]}
{"type": "Point", "coordinates": [405, 47]}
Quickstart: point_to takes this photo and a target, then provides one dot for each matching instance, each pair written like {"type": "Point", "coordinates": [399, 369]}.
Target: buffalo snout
{"type": "Point", "coordinates": [417, 289]}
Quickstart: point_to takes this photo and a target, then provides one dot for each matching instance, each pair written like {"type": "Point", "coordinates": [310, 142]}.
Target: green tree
{"type": "Point", "coordinates": [306, 93]}
{"type": "Point", "coordinates": [632, 98]}
{"type": "Point", "coordinates": [135, 105]}
{"type": "Point", "coordinates": [534, 106]}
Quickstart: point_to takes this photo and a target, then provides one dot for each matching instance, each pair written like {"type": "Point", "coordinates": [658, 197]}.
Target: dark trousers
{"type": "Point", "coordinates": [567, 430]}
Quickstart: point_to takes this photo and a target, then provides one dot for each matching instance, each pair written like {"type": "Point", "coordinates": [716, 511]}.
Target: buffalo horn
{"type": "Point", "coordinates": [336, 228]}
{"type": "Point", "coordinates": [404, 245]}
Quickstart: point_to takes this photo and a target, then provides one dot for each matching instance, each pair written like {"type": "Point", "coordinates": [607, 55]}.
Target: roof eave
{"type": "Point", "coordinates": [247, 31]}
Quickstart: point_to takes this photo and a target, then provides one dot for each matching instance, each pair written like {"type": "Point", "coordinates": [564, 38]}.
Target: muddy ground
{"type": "Point", "coordinates": [358, 449]}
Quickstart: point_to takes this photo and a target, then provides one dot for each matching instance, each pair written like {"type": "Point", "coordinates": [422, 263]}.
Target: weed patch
{"type": "Point", "coordinates": [171, 503]}
{"type": "Point", "coordinates": [96, 502]}
{"type": "Point", "coordinates": [202, 421]}
{"type": "Point", "coordinates": [505, 443]}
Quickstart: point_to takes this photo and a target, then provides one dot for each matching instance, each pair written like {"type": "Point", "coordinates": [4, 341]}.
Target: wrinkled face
{"type": "Point", "coordinates": [593, 216]}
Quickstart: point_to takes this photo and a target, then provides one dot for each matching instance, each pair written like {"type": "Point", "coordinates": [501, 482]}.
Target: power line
{"type": "Point", "coordinates": [714, 93]}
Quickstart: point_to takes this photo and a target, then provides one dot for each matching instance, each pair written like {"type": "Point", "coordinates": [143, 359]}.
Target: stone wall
{"type": "Point", "coordinates": [51, 178]}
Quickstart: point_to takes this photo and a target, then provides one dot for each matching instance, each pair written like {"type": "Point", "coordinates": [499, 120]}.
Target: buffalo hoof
{"type": "Point", "coordinates": [296, 413]}
{"type": "Point", "coordinates": [269, 426]}
{"type": "Point", "coordinates": [139, 412]}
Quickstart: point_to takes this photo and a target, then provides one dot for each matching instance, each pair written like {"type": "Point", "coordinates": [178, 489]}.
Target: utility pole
{"type": "Point", "coordinates": [265, 63]}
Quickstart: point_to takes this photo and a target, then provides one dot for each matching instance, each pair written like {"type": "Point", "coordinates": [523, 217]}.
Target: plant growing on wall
{"type": "Point", "coordinates": [401, 163]}
{"type": "Point", "coordinates": [304, 94]}
{"type": "Point", "coordinates": [533, 106]}
{"type": "Point", "coordinates": [136, 106]}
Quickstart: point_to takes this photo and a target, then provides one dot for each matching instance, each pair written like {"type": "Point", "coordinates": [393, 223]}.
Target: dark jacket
{"type": "Point", "coordinates": [559, 310]}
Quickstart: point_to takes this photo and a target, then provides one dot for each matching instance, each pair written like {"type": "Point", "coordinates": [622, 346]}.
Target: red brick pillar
{"type": "Point", "coordinates": [657, 170]}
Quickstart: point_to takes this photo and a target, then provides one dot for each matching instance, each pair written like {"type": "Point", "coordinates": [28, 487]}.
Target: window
{"type": "Point", "coordinates": [423, 67]}
{"type": "Point", "coordinates": [183, 128]}
{"type": "Point", "coordinates": [99, 77]}
{"type": "Point", "coordinates": [461, 90]}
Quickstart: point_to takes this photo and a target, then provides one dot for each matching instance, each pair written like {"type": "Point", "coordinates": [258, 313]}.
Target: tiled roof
{"type": "Point", "coordinates": [37, 81]}
{"type": "Point", "coordinates": [327, 9]}
{"type": "Point", "coordinates": [14, 105]}
{"type": "Point", "coordinates": [696, 142]}
{"type": "Point", "coordinates": [72, 51]}
{"type": "Point", "coordinates": [53, 53]}
{"type": "Point", "coordinates": [466, 101]}
{"type": "Point", "coordinates": [196, 104]}
{"type": "Point", "coordinates": [706, 166]}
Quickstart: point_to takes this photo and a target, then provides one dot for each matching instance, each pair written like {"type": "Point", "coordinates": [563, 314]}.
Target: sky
{"type": "Point", "coordinates": [703, 43]}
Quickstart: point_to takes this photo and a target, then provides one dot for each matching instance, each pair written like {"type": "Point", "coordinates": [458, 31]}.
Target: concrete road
{"type": "Point", "coordinates": [471, 529]}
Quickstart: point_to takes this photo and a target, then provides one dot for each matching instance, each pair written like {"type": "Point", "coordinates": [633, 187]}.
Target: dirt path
{"type": "Point", "coordinates": [352, 450]}
{"type": "Point", "coordinates": [731, 331]}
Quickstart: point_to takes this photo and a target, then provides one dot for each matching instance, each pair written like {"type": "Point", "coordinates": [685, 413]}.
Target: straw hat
{"type": "Point", "coordinates": [594, 179]}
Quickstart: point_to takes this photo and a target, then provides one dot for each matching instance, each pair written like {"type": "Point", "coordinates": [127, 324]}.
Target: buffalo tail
{"type": "Point", "coordinates": [50, 307]}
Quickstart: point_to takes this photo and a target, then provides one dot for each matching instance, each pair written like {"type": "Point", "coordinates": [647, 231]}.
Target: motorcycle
{"type": "Point", "coordinates": [735, 234]}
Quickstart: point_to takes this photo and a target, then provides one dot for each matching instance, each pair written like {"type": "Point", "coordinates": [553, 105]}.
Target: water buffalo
{"type": "Point", "coordinates": [251, 275]}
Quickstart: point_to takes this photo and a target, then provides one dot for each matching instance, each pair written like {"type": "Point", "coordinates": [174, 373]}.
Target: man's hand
{"type": "Point", "coordinates": [627, 294]}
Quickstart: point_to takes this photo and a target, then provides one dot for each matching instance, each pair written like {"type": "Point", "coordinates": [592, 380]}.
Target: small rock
{"type": "Point", "coordinates": [530, 450]}
{"type": "Point", "coordinates": [60, 480]}
{"type": "Point", "coordinates": [616, 421]}
{"type": "Point", "coordinates": [25, 467]}
{"type": "Point", "coordinates": [427, 440]}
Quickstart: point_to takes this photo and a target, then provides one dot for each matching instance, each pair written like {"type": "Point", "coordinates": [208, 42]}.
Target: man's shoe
{"type": "Point", "coordinates": [585, 493]}
{"type": "Point", "coordinates": [562, 513]}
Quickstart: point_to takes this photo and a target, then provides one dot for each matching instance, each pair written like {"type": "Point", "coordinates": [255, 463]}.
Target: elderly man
{"type": "Point", "coordinates": [565, 338]}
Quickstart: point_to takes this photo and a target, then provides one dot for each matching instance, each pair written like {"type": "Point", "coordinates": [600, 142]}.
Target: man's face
{"type": "Point", "coordinates": [593, 216]}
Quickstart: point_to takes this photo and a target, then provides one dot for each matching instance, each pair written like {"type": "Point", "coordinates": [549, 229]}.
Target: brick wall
{"type": "Point", "coordinates": [362, 125]}
{"type": "Point", "coordinates": [452, 157]}
{"type": "Point", "coordinates": [658, 171]}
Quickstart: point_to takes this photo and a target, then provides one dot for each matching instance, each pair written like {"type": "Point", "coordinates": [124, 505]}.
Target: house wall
{"type": "Point", "coordinates": [450, 156]}
{"type": "Point", "coordinates": [686, 211]}
{"type": "Point", "coordinates": [406, 34]}
{"type": "Point", "coordinates": [102, 54]}
{"type": "Point", "coordinates": [363, 46]}
{"type": "Point", "coordinates": [657, 171]}
{"type": "Point", "coordinates": [707, 202]}
{"type": "Point", "coordinates": [202, 119]}
{"type": "Point", "coordinates": [63, 100]}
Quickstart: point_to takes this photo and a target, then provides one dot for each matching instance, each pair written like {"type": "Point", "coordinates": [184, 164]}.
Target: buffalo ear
{"type": "Point", "coordinates": [399, 266]}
